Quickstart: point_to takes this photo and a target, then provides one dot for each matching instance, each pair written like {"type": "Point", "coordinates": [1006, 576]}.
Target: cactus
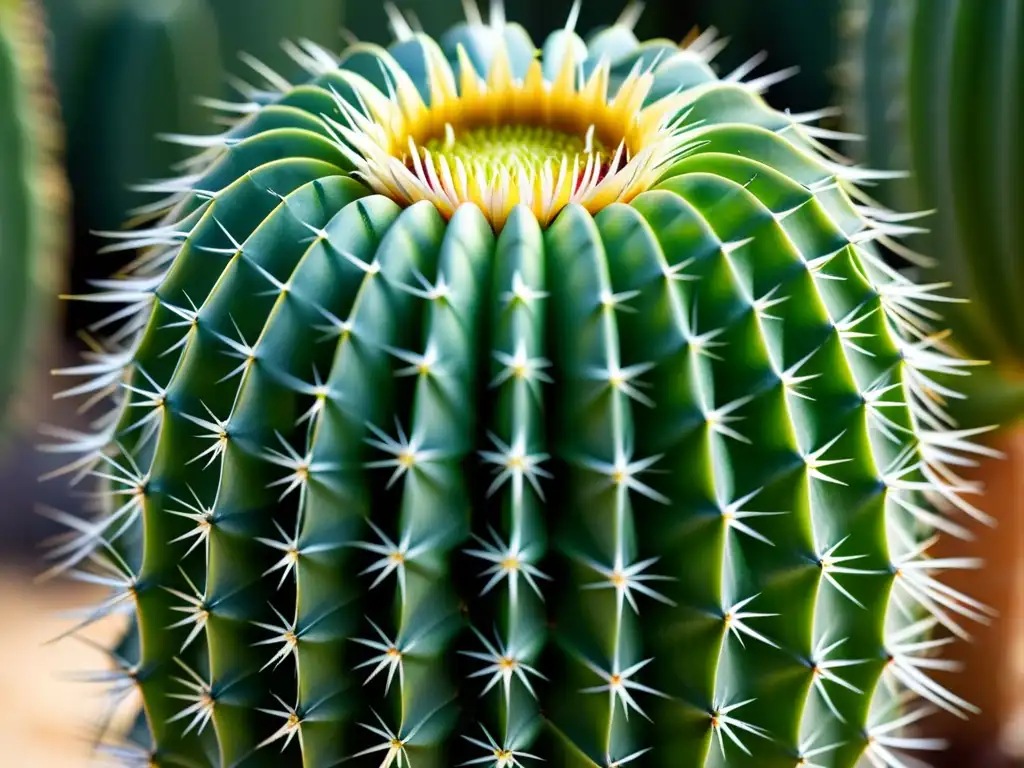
{"type": "Point", "coordinates": [32, 194]}
{"type": "Point", "coordinates": [475, 404]}
{"type": "Point", "coordinates": [935, 89]}
{"type": "Point", "coordinates": [798, 34]}
{"type": "Point", "coordinates": [124, 78]}
{"type": "Point", "coordinates": [129, 71]}
{"type": "Point", "coordinates": [918, 85]}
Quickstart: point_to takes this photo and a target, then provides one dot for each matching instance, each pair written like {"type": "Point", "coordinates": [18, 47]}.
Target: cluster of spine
{"type": "Point", "coordinates": [32, 194]}
{"type": "Point", "coordinates": [653, 486]}
{"type": "Point", "coordinates": [938, 86]}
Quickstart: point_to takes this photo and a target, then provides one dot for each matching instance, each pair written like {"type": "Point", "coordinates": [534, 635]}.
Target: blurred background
{"type": "Point", "coordinates": [96, 81]}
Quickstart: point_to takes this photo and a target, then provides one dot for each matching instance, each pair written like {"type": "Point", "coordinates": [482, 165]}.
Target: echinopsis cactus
{"type": "Point", "coordinates": [32, 194]}
{"type": "Point", "coordinates": [475, 406]}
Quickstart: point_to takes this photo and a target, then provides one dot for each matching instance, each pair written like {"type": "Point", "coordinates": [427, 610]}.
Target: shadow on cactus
{"type": "Point", "coordinates": [480, 405]}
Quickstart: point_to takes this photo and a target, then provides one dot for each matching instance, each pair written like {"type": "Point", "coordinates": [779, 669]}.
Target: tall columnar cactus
{"type": "Point", "coordinates": [126, 71]}
{"type": "Point", "coordinates": [475, 404]}
{"type": "Point", "coordinates": [32, 193]}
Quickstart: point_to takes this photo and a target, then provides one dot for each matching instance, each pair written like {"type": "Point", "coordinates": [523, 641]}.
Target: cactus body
{"type": "Point", "coordinates": [32, 194]}
{"type": "Point", "coordinates": [429, 450]}
{"type": "Point", "coordinates": [935, 87]}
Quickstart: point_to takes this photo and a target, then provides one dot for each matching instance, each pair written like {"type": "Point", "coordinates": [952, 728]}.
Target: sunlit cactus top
{"type": "Point", "coordinates": [480, 405]}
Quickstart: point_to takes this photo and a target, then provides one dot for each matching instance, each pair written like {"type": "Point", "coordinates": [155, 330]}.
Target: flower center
{"type": "Point", "coordinates": [491, 148]}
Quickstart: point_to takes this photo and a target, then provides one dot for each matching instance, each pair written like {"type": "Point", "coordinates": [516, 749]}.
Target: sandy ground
{"type": "Point", "coordinates": [44, 716]}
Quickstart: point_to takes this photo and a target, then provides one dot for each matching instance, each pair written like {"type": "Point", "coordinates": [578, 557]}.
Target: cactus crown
{"type": "Point", "coordinates": [631, 457]}
{"type": "Point", "coordinates": [504, 140]}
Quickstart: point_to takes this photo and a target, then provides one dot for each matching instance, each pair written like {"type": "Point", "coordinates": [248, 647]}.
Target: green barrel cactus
{"type": "Point", "coordinates": [934, 87]}
{"type": "Point", "coordinates": [475, 404]}
{"type": "Point", "coordinates": [32, 194]}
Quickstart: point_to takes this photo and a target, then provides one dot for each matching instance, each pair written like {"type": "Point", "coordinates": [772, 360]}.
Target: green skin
{"type": "Point", "coordinates": [31, 196]}
{"type": "Point", "coordinates": [759, 353]}
{"type": "Point", "coordinates": [933, 100]}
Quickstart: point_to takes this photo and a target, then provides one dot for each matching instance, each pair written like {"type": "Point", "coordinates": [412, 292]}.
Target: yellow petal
{"type": "Point", "coordinates": [499, 79]}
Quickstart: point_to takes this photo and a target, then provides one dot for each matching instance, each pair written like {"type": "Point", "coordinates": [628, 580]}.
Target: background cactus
{"type": "Point", "coordinates": [646, 476]}
{"type": "Point", "coordinates": [935, 89]}
{"type": "Point", "coordinates": [32, 195]}
{"type": "Point", "coordinates": [130, 71]}
{"type": "Point", "coordinates": [920, 90]}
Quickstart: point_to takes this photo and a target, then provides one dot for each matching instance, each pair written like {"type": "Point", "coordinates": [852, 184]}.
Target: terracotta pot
{"type": "Point", "coordinates": [993, 664]}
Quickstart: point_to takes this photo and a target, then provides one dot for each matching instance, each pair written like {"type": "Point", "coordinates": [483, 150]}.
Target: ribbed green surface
{"type": "Point", "coordinates": [645, 486]}
{"type": "Point", "coordinates": [940, 84]}
{"type": "Point", "coordinates": [32, 195]}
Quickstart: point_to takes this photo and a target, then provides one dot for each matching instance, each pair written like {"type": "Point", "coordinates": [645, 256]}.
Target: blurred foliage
{"type": "Point", "coordinates": [32, 196]}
